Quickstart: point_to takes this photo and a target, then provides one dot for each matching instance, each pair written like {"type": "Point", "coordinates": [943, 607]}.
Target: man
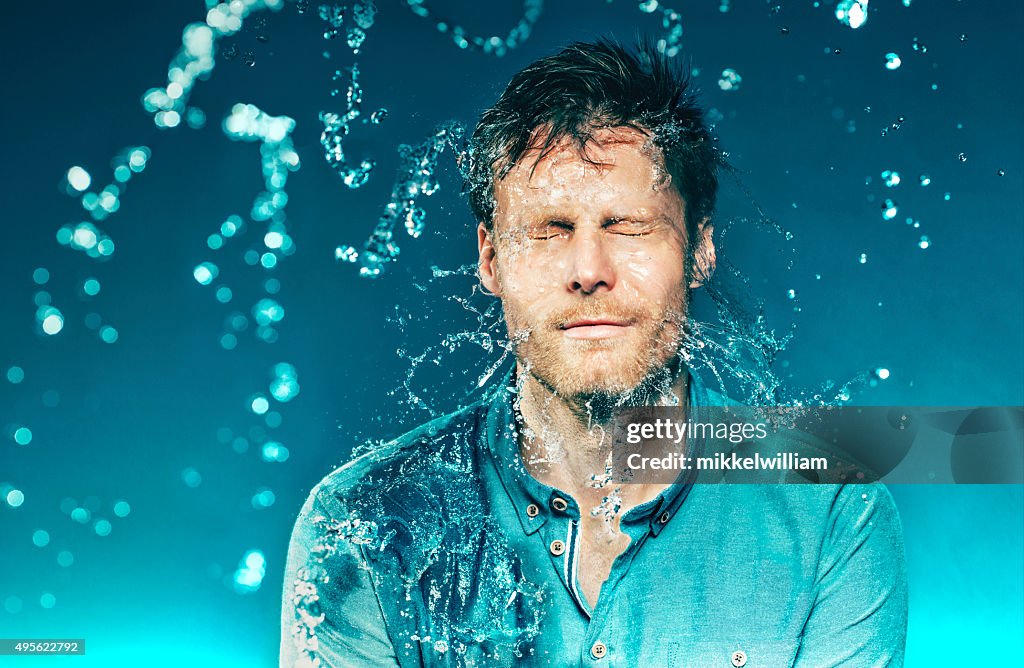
{"type": "Point", "coordinates": [494, 536]}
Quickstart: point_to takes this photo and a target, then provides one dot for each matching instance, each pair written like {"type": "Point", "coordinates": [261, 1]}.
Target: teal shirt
{"type": "Point", "coordinates": [440, 549]}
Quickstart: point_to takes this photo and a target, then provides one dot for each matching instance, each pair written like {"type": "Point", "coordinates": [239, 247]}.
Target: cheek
{"type": "Point", "coordinates": [653, 276]}
{"type": "Point", "coordinates": [530, 275]}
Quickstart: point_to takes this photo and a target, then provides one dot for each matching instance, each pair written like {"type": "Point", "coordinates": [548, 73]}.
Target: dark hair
{"type": "Point", "coordinates": [585, 87]}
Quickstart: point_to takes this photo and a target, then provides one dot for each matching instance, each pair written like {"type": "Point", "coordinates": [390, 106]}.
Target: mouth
{"type": "Point", "coordinates": [595, 328]}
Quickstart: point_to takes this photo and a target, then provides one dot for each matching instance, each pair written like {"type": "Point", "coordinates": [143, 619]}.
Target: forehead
{"type": "Point", "coordinates": [618, 166]}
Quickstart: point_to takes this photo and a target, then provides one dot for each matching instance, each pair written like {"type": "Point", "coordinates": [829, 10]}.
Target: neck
{"type": "Point", "coordinates": [565, 442]}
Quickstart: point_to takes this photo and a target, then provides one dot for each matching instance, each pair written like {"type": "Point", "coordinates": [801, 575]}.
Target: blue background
{"type": "Point", "coordinates": [122, 421]}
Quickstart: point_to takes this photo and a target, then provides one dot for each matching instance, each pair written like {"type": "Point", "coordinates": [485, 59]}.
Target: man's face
{"type": "Point", "coordinates": [589, 262]}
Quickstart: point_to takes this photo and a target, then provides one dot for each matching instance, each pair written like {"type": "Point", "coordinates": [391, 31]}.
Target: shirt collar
{"type": "Point", "coordinates": [533, 500]}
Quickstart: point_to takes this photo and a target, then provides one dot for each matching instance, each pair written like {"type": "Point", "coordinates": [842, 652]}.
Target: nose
{"type": "Point", "coordinates": [590, 265]}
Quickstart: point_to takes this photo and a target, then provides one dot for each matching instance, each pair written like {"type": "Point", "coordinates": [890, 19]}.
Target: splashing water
{"type": "Point", "coordinates": [416, 179]}
{"type": "Point", "coordinates": [194, 61]}
{"type": "Point", "coordinates": [494, 45]}
{"type": "Point", "coordinates": [337, 127]}
{"type": "Point", "coordinates": [414, 540]}
{"type": "Point", "coordinates": [671, 21]}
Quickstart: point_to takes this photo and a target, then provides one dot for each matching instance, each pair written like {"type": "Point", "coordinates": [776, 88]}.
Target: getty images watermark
{"type": "Point", "coordinates": [668, 431]}
{"type": "Point", "coordinates": [835, 444]}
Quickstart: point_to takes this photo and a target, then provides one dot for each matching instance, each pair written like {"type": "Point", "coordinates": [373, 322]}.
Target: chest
{"type": "Point", "coordinates": [601, 542]}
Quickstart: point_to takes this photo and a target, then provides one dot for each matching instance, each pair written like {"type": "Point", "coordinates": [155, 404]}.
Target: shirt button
{"type": "Point", "coordinates": [559, 504]}
{"type": "Point", "coordinates": [664, 517]}
{"type": "Point", "coordinates": [739, 658]}
{"type": "Point", "coordinates": [598, 650]}
{"type": "Point", "coordinates": [532, 510]}
{"type": "Point", "coordinates": [557, 548]}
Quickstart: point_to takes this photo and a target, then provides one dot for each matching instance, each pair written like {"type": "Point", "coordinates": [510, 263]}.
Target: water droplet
{"type": "Point", "coordinates": [259, 404]}
{"type": "Point", "coordinates": [730, 80]}
{"type": "Point", "coordinates": [22, 435]}
{"type": "Point", "coordinates": [52, 321]}
{"type": "Point", "coordinates": [924, 242]}
{"type": "Point", "coordinates": [78, 178]}
{"type": "Point", "coordinates": [205, 273]}
{"type": "Point", "coordinates": [15, 497]}
{"type": "Point", "coordinates": [852, 13]}
{"type": "Point", "coordinates": [191, 477]}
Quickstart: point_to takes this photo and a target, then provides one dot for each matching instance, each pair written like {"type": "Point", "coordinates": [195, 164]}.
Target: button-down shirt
{"type": "Point", "coordinates": [441, 549]}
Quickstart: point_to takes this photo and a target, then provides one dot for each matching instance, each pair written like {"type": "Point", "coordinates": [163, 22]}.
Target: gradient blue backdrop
{"type": "Point", "coordinates": [122, 421]}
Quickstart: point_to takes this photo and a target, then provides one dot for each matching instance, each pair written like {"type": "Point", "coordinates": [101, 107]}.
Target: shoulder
{"type": "Point", "coordinates": [408, 477]}
{"type": "Point", "coordinates": [862, 508]}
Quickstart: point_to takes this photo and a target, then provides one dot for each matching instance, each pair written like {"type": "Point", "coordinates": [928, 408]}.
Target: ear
{"type": "Point", "coordinates": [704, 258]}
{"type": "Point", "coordinates": [486, 267]}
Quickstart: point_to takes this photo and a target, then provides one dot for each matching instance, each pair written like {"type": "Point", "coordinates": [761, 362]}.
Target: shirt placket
{"type": "Point", "coordinates": [603, 641]}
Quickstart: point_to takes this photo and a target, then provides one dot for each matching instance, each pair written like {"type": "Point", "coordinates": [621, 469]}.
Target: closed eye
{"type": "Point", "coordinates": [553, 229]}
{"type": "Point", "coordinates": [629, 228]}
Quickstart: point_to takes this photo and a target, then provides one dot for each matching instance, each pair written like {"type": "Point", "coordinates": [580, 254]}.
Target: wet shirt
{"type": "Point", "coordinates": [440, 549]}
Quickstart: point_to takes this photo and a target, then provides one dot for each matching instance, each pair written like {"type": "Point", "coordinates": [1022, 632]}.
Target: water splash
{"type": "Point", "coordinates": [194, 61]}
{"type": "Point", "coordinates": [493, 45]}
{"type": "Point", "coordinates": [416, 178]}
{"type": "Point", "coordinates": [338, 125]}
{"type": "Point", "coordinates": [246, 122]}
{"type": "Point", "coordinates": [671, 22]}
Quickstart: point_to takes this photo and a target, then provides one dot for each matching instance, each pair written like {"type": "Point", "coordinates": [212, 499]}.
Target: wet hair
{"type": "Point", "coordinates": [587, 87]}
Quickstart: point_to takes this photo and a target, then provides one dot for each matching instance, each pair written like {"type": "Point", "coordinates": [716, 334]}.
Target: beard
{"type": "Point", "coordinates": [635, 368]}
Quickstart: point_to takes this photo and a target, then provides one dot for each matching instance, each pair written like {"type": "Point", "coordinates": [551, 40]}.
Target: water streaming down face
{"type": "Point", "coordinates": [577, 241]}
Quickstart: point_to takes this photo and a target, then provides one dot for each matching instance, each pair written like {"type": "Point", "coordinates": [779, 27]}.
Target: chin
{"type": "Point", "coordinates": [600, 375]}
